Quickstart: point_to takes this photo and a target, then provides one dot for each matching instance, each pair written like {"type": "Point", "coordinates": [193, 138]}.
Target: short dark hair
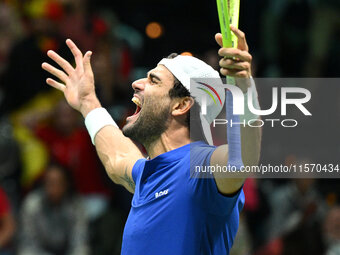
{"type": "Point", "coordinates": [179, 91]}
{"type": "Point", "coordinates": [66, 173]}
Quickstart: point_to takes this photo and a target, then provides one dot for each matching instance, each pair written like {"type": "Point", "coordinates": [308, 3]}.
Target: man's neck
{"type": "Point", "coordinates": [168, 141]}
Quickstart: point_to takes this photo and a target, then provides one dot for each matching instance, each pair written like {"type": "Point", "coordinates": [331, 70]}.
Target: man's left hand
{"type": "Point", "coordinates": [236, 62]}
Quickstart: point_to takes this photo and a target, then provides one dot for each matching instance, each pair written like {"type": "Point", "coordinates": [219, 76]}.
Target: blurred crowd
{"type": "Point", "coordinates": [55, 197]}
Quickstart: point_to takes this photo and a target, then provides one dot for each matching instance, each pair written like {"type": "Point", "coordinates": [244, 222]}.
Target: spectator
{"type": "Point", "coordinates": [23, 72]}
{"type": "Point", "coordinates": [70, 145]}
{"type": "Point", "coordinates": [323, 38]}
{"type": "Point", "coordinates": [331, 231]}
{"type": "Point", "coordinates": [7, 224]}
{"type": "Point", "coordinates": [297, 212]}
{"type": "Point", "coordinates": [10, 165]}
{"type": "Point", "coordinates": [285, 24]}
{"type": "Point", "coordinates": [53, 208]}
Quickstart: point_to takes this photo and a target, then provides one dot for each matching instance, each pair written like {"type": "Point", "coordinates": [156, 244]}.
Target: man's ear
{"type": "Point", "coordinates": [182, 106]}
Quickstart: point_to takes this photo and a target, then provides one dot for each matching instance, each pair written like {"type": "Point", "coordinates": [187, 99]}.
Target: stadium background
{"type": "Point", "coordinates": [287, 38]}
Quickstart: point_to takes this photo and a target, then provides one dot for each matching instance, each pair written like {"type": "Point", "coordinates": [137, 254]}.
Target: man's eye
{"type": "Point", "coordinates": [153, 81]}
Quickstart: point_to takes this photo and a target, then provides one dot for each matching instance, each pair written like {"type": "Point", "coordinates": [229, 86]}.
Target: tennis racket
{"type": "Point", "coordinates": [228, 13]}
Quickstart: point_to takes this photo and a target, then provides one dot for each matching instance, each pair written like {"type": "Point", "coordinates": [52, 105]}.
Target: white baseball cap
{"type": "Point", "coordinates": [203, 83]}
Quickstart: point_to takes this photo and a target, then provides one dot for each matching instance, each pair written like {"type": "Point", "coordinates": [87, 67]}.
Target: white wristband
{"type": "Point", "coordinates": [96, 120]}
{"type": "Point", "coordinates": [248, 116]}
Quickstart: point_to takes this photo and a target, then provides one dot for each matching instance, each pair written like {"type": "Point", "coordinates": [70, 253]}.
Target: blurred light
{"type": "Point", "coordinates": [154, 30]}
{"type": "Point", "coordinates": [186, 53]}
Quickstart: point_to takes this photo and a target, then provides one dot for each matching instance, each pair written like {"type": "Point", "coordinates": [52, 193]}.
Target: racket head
{"type": "Point", "coordinates": [228, 14]}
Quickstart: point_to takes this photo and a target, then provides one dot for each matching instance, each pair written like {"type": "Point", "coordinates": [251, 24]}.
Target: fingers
{"type": "Point", "coordinates": [242, 43]}
{"type": "Point", "coordinates": [54, 71]}
{"type": "Point", "coordinates": [233, 64]}
{"type": "Point", "coordinates": [235, 53]}
{"type": "Point", "coordinates": [55, 84]}
{"type": "Point", "coordinates": [234, 73]}
{"type": "Point", "coordinates": [218, 38]}
{"type": "Point", "coordinates": [78, 56]}
{"type": "Point", "coordinates": [66, 66]}
{"type": "Point", "coordinates": [87, 62]}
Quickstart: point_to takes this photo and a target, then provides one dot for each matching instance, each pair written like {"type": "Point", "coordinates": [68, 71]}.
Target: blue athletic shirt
{"type": "Point", "coordinates": [173, 213]}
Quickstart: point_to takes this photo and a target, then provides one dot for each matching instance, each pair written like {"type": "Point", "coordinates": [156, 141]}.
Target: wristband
{"type": "Point", "coordinates": [96, 120]}
{"type": "Point", "coordinates": [248, 116]}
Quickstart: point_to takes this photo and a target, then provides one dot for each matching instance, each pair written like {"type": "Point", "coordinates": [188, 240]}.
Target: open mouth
{"type": "Point", "coordinates": [138, 105]}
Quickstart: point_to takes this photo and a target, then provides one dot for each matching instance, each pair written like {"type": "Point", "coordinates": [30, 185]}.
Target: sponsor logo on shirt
{"type": "Point", "coordinates": [161, 193]}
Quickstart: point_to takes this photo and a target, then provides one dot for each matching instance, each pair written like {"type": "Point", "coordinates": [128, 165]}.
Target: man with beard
{"type": "Point", "coordinates": [171, 213]}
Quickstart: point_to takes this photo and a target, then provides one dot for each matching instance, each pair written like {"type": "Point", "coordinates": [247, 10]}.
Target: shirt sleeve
{"type": "Point", "coordinates": [138, 169]}
{"type": "Point", "coordinates": [220, 204]}
{"type": "Point", "coordinates": [205, 188]}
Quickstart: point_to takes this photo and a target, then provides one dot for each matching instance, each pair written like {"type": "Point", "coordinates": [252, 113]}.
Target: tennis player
{"type": "Point", "coordinates": [172, 212]}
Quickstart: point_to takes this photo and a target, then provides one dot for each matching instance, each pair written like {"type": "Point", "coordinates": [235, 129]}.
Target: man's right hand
{"type": "Point", "coordinates": [77, 83]}
{"type": "Point", "coordinates": [117, 152]}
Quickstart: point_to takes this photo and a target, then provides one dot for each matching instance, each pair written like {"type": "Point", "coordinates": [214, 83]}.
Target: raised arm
{"type": "Point", "coordinates": [236, 62]}
{"type": "Point", "coordinates": [117, 152]}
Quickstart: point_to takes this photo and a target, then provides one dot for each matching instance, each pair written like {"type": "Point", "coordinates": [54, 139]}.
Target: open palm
{"type": "Point", "coordinates": [77, 83]}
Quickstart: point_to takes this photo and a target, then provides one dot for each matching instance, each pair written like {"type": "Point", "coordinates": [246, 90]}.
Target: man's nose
{"type": "Point", "coordinates": [139, 85]}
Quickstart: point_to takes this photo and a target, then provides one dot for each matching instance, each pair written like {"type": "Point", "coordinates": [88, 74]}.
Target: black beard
{"type": "Point", "coordinates": [151, 123]}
